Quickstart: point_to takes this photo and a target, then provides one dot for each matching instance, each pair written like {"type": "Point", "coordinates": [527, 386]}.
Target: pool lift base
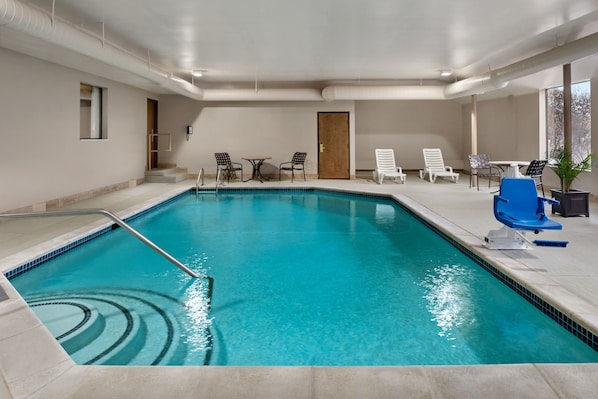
{"type": "Point", "coordinates": [509, 238]}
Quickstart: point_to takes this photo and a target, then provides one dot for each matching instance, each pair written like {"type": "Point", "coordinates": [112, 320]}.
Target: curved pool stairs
{"type": "Point", "coordinates": [118, 327]}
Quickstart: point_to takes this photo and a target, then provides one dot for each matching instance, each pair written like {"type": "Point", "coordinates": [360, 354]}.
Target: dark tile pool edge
{"type": "Point", "coordinates": [581, 332]}
{"type": "Point", "coordinates": [65, 248]}
{"type": "Point", "coordinates": [52, 254]}
{"type": "Point", "coordinates": [573, 327]}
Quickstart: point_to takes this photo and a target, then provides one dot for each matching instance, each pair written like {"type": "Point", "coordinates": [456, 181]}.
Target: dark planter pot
{"type": "Point", "coordinates": [572, 203]}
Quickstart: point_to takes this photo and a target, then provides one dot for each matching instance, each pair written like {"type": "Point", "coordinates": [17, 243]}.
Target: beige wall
{"type": "Point", "coordinates": [508, 128]}
{"type": "Point", "coordinates": [41, 155]}
{"type": "Point", "coordinates": [276, 130]}
{"type": "Point", "coordinates": [407, 127]}
{"type": "Point", "coordinates": [513, 128]}
{"type": "Point", "coordinates": [589, 181]}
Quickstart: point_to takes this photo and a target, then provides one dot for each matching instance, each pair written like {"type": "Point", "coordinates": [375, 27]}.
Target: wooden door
{"type": "Point", "coordinates": [333, 145]}
{"type": "Point", "coordinates": [152, 127]}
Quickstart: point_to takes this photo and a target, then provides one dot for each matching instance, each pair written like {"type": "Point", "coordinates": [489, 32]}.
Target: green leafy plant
{"type": "Point", "coordinates": [567, 168]}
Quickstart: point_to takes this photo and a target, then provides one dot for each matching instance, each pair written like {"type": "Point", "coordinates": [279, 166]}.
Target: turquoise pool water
{"type": "Point", "coordinates": [300, 278]}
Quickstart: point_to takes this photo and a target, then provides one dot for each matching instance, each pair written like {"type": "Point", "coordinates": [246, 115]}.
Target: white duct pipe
{"type": "Point", "coordinates": [23, 18]}
{"type": "Point", "coordinates": [498, 79]}
{"type": "Point", "coordinates": [557, 56]}
{"type": "Point", "coordinates": [474, 85]}
{"type": "Point", "coordinates": [341, 92]}
{"type": "Point", "coordinates": [29, 20]}
{"type": "Point", "coordinates": [262, 95]}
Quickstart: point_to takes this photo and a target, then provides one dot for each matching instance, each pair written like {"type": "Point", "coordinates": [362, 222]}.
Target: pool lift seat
{"type": "Point", "coordinates": [520, 209]}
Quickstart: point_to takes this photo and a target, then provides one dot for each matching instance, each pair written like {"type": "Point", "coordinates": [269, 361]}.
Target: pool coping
{"type": "Point", "coordinates": [49, 371]}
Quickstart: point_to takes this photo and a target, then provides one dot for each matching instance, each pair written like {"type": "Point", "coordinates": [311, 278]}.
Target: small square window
{"type": "Point", "coordinates": [92, 102]}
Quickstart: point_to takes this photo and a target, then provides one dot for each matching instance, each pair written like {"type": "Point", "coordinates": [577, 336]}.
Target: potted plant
{"type": "Point", "coordinates": [572, 202]}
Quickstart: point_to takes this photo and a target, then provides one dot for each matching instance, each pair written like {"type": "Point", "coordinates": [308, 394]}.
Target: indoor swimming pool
{"type": "Point", "coordinates": [300, 277]}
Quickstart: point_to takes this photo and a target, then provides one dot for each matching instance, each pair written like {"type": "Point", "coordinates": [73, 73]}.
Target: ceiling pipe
{"type": "Point", "coordinates": [346, 92]}
{"type": "Point", "coordinates": [495, 80]}
{"type": "Point", "coordinates": [29, 20]}
{"type": "Point", "coordinates": [26, 19]}
{"type": "Point", "coordinates": [499, 78]}
{"type": "Point", "coordinates": [557, 56]}
{"type": "Point", "coordinates": [472, 86]}
{"type": "Point", "coordinates": [491, 81]}
{"type": "Point", "coordinates": [262, 95]}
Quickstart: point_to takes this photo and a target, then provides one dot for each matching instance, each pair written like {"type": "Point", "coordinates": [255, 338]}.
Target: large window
{"type": "Point", "coordinates": [92, 116]}
{"type": "Point", "coordinates": [580, 120]}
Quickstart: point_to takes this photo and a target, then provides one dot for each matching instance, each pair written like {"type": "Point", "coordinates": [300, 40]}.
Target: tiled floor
{"type": "Point", "coordinates": [34, 365]}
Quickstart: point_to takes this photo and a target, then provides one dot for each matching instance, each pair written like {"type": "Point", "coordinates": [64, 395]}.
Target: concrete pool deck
{"type": "Point", "coordinates": [33, 365]}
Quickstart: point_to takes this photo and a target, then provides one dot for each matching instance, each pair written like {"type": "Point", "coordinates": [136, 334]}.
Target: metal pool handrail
{"type": "Point", "coordinates": [117, 220]}
{"type": "Point", "coordinates": [218, 179]}
{"type": "Point", "coordinates": [199, 177]}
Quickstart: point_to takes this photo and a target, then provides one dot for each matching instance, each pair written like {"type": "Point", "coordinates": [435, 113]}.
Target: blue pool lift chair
{"type": "Point", "coordinates": [519, 208]}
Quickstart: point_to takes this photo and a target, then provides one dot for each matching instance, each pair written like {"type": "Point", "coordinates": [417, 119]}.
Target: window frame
{"type": "Point", "coordinates": [92, 112]}
{"type": "Point", "coordinates": [581, 114]}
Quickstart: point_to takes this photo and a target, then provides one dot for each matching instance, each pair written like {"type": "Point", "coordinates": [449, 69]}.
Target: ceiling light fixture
{"type": "Point", "coordinates": [446, 72]}
{"type": "Point", "coordinates": [197, 72]}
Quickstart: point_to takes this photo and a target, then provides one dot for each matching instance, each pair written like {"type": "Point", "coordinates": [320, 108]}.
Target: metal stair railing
{"type": "Point", "coordinates": [199, 177]}
{"type": "Point", "coordinates": [117, 220]}
{"type": "Point", "coordinates": [219, 181]}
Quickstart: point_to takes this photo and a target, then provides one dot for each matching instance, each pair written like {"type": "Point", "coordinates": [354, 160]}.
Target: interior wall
{"type": "Point", "coordinates": [508, 128]}
{"type": "Point", "coordinates": [275, 130]}
{"type": "Point", "coordinates": [407, 127]}
{"type": "Point", "coordinates": [589, 181]}
{"type": "Point", "coordinates": [513, 128]}
{"type": "Point", "coordinates": [41, 155]}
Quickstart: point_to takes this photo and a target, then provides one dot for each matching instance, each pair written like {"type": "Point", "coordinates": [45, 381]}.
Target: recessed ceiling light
{"type": "Point", "coordinates": [446, 72]}
{"type": "Point", "coordinates": [197, 72]}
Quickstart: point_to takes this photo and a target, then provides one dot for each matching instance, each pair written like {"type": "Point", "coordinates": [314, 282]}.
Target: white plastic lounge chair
{"type": "Point", "coordinates": [435, 167]}
{"type": "Point", "coordinates": [385, 166]}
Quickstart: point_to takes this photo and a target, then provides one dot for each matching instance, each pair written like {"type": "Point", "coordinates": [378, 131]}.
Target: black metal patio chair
{"type": "Point", "coordinates": [535, 170]}
{"type": "Point", "coordinates": [229, 168]}
{"type": "Point", "coordinates": [479, 165]}
{"type": "Point", "coordinates": [297, 163]}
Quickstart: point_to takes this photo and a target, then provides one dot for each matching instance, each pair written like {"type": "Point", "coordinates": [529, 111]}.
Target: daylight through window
{"type": "Point", "coordinates": [92, 118]}
{"type": "Point", "coordinates": [580, 120]}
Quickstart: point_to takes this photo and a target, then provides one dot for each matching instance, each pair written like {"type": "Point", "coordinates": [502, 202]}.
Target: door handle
{"type": "Point", "coordinates": [322, 148]}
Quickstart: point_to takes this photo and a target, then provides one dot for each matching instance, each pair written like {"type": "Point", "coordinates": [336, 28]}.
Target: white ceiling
{"type": "Point", "coordinates": [312, 43]}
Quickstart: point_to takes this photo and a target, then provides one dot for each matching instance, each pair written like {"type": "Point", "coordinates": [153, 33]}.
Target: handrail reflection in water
{"type": "Point", "coordinates": [117, 220]}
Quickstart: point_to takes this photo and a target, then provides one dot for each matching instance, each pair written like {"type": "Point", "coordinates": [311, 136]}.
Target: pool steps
{"type": "Point", "coordinates": [76, 341]}
{"type": "Point", "coordinates": [98, 329]}
{"type": "Point", "coordinates": [166, 175]}
{"type": "Point", "coordinates": [62, 318]}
